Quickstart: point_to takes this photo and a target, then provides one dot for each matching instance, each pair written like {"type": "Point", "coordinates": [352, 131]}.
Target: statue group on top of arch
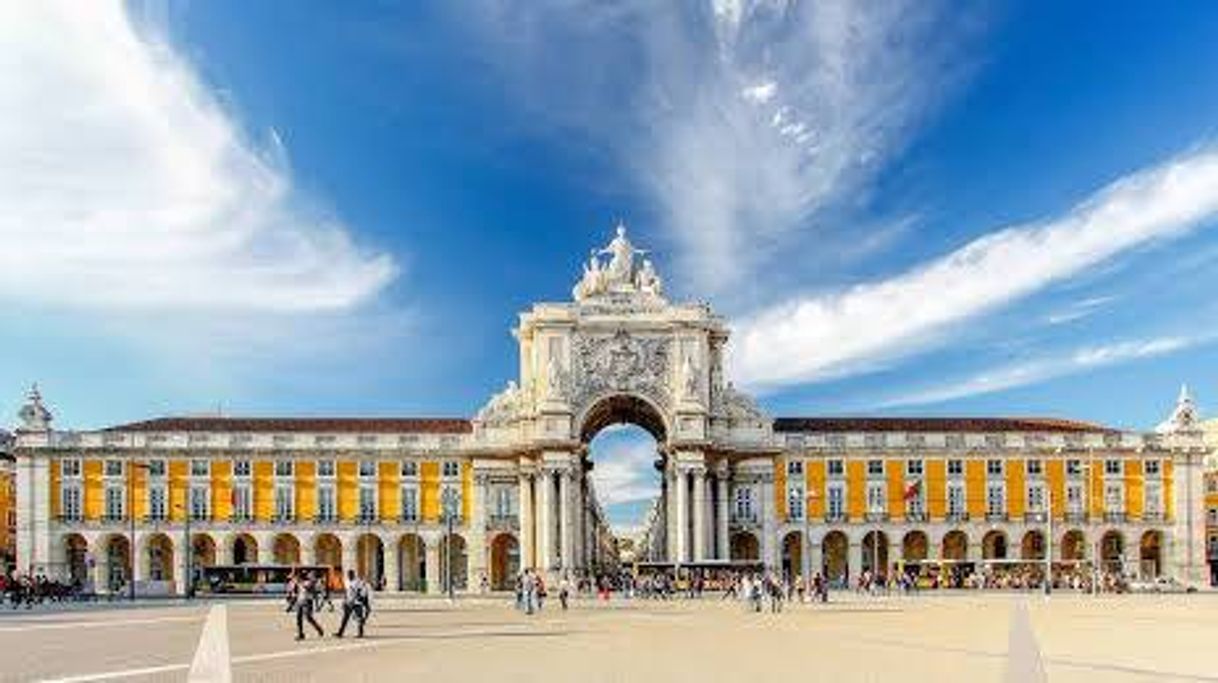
{"type": "Point", "coordinates": [621, 275]}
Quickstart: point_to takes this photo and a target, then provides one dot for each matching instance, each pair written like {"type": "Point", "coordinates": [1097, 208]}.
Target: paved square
{"type": "Point", "coordinates": [940, 637]}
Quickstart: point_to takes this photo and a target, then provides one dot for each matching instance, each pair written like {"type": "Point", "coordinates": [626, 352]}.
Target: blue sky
{"type": "Point", "coordinates": [901, 208]}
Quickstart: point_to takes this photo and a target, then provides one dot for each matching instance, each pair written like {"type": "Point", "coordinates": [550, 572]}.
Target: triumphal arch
{"type": "Point", "coordinates": [438, 503]}
{"type": "Point", "coordinates": [621, 352]}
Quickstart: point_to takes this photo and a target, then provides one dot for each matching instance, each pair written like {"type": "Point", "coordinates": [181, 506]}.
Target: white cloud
{"type": "Point", "coordinates": [1078, 310]}
{"type": "Point", "coordinates": [742, 120]}
{"type": "Point", "coordinates": [126, 186]}
{"type": "Point", "coordinates": [1019, 374]}
{"type": "Point", "coordinates": [816, 336]}
{"type": "Point", "coordinates": [624, 471]}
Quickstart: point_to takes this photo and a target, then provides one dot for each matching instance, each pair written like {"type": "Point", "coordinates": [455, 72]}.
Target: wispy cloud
{"type": "Point", "coordinates": [624, 471]}
{"type": "Point", "coordinates": [817, 336]}
{"type": "Point", "coordinates": [127, 186]}
{"type": "Point", "coordinates": [1037, 370]}
{"type": "Point", "coordinates": [742, 120]}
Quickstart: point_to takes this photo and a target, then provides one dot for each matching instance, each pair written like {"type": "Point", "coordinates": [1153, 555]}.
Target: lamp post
{"type": "Point", "coordinates": [132, 465]}
{"type": "Point", "coordinates": [449, 500]}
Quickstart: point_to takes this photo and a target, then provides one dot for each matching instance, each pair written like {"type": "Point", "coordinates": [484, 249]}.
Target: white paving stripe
{"type": "Point", "coordinates": [212, 663]}
{"type": "Point", "coordinates": [98, 623]}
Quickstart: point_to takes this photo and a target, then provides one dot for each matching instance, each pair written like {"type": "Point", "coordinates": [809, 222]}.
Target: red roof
{"type": "Point", "coordinates": [366, 425]}
{"type": "Point", "coordinates": [934, 424]}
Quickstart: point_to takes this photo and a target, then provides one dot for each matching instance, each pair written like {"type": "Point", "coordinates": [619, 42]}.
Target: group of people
{"type": "Point", "coordinates": [28, 590]}
{"type": "Point", "coordinates": [308, 593]}
{"type": "Point", "coordinates": [531, 591]}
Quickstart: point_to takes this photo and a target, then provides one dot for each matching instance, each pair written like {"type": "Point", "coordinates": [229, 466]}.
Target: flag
{"type": "Point", "coordinates": [913, 489]}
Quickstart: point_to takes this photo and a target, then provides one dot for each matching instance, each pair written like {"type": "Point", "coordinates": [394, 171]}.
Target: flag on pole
{"type": "Point", "coordinates": [913, 489]}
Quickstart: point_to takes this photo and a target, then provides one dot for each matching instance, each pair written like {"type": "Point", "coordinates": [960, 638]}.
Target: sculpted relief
{"type": "Point", "coordinates": [620, 363]}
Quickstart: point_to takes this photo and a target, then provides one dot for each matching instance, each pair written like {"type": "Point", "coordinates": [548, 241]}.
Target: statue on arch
{"type": "Point", "coordinates": [621, 262]}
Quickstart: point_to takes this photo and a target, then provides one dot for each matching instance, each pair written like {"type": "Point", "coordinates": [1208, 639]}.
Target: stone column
{"type": "Point", "coordinates": [139, 559]}
{"type": "Point", "coordinates": [476, 532]}
{"type": "Point", "coordinates": [815, 555]}
{"type": "Point", "coordinates": [670, 511]}
{"type": "Point", "coordinates": [528, 558]}
{"type": "Point", "coordinates": [682, 504]}
{"type": "Point", "coordinates": [1187, 559]}
{"type": "Point", "coordinates": [350, 554]}
{"type": "Point", "coordinates": [769, 528]}
{"type": "Point", "coordinates": [700, 514]}
{"type": "Point", "coordinates": [431, 563]}
{"type": "Point", "coordinates": [854, 560]}
{"type": "Point", "coordinates": [545, 520]}
{"type": "Point", "coordinates": [33, 489]}
{"type": "Point", "coordinates": [722, 515]}
{"type": "Point", "coordinates": [566, 519]}
{"type": "Point", "coordinates": [393, 577]}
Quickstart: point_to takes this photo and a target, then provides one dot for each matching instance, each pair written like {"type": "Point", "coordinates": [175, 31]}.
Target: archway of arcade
{"type": "Point", "coordinates": [624, 465]}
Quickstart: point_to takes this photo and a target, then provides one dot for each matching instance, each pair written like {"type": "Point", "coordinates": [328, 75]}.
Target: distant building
{"type": "Point", "coordinates": [8, 503]}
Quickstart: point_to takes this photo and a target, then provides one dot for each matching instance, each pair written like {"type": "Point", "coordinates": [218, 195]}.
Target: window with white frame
{"type": "Point", "coordinates": [915, 498]}
{"type": "Point", "coordinates": [241, 468]}
{"type": "Point", "coordinates": [877, 502]}
{"type": "Point", "coordinates": [1036, 497]}
{"type": "Point", "coordinates": [285, 501]}
{"type": "Point", "coordinates": [505, 502]}
{"type": "Point", "coordinates": [452, 469]}
{"type": "Point", "coordinates": [955, 468]}
{"type": "Point", "coordinates": [993, 468]}
{"type": "Point", "coordinates": [367, 502]}
{"type": "Point", "coordinates": [836, 501]}
{"type": "Point", "coordinates": [113, 468]}
{"type": "Point", "coordinates": [1114, 497]}
{"type": "Point", "coordinates": [1211, 516]}
{"type": "Point", "coordinates": [242, 506]}
{"type": "Point", "coordinates": [455, 497]}
{"type": "Point", "coordinates": [325, 469]}
{"type": "Point", "coordinates": [1035, 468]}
{"type": "Point", "coordinates": [70, 501]}
{"type": "Point", "coordinates": [1074, 499]}
{"type": "Point", "coordinates": [875, 468]}
{"type": "Point", "coordinates": [158, 504]}
{"type": "Point", "coordinates": [795, 502]}
{"type": "Point", "coordinates": [115, 497]}
{"type": "Point", "coordinates": [795, 468]}
{"type": "Point", "coordinates": [955, 499]}
{"type": "Point", "coordinates": [283, 469]}
{"type": "Point", "coordinates": [996, 499]}
{"type": "Point", "coordinates": [1152, 500]}
{"type": "Point", "coordinates": [836, 468]}
{"type": "Point", "coordinates": [410, 503]}
{"type": "Point", "coordinates": [199, 467]}
{"type": "Point", "coordinates": [1152, 468]}
{"type": "Point", "coordinates": [367, 469]}
{"type": "Point", "coordinates": [200, 502]}
{"type": "Point", "coordinates": [1074, 468]}
{"type": "Point", "coordinates": [913, 468]}
{"type": "Point", "coordinates": [744, 503]}
{"type": "Point", "coordinates": [71, 468]}
{"type": "Point", "coordinates": [410, 468]}
{"type": "Point", "coordinates": [326, 510]}
{"type": "Point", "coordinates": [1112, 467]}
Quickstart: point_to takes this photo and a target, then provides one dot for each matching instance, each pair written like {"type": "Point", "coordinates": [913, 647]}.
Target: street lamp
{"type": "Point", "coordinates": [132, 465]}
{"type": "Point", "coordinates": [449, 501]}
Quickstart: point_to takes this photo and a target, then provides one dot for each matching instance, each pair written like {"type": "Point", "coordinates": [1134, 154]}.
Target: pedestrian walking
{"type": "Point", "coordinates": [564, 592]}
{"type": "Point", "coordinates": [357, 603]}
{"type": "Point", "coordinates": [306, 593]}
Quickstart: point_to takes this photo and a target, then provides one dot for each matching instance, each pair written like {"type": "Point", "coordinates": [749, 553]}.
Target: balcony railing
{"type": "Point", "coordinates": [409, 518]}
{"type": "Point", "coordinates": [956, 517]}
{"type": "Point", "coordinates": [996, 516]}
{"type": "Point", "coordinates": [1076, 517]}
{"type": "Point", "coordinates": [1115, 517]}
{"type": "Point", "coordinates": [876, 517]}
{"type": "Point", "coordinates": [744, 520]}
{"type": "Point", "coordinates": [1034, 517]}
{"type": "Point", "coordinates": [325, 519]}
{"type": "Point", "coordinates": [503, 522]}
{"type": "Point", "coordinates": [1153, 517]}
{"type": "Point", "coordinates": [919, 516]}
{"type": "Point", "coordinates": [240, 518]}
{"type": "Point", "coordinates": [835, 517]}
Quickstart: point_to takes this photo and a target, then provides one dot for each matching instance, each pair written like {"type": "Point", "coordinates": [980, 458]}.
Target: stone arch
{"type": "Point", "coordinates": [915, 546]}
{"type": "Point", "coordinates": [370, 558]}
{"type": "Point", "coordinates": [453, 552]}
{"type": "Point", "coordinates": [792, 553]}
{"type": "Point", "coordinates": [412, 563]}
{"type": "Point", "coordinates": [204, 547]}
{"type": "Point", "coordinates": [955, 546]}
{"type": "Point", "coordinates": [835, 549]}
{"type": "Point", "coordinates": [505, 561]}
{"type": "Point", "coordinates": [618, 408]}
{"type": "Point", "coordinates": [158, 556]}
{"type": "Point", "coordinates": [744, 547]}
{"type": "Point", "coordinates": [285, 549]}
{"type": "Point", "coordinates": [1112, 550]}
{"type": "Point", "coordinates": [244, 549]}
{"type": "Point", "coordinates": [875, 552]}
{"type": "Point", "coordinates": [75, 553]}
{"type": "Point", "coordinates": [1073, 546]}
{"type": "Point", "coordinates": [1150, 553]}
{"type": "Point", "coordinates": [994, 545]}
{"type": "Point", "coordinates": [328, 551]}
{"type": "Point", "coordinates": [1032, 547]}
{"type": "Point", "coordinates": [117, 561]}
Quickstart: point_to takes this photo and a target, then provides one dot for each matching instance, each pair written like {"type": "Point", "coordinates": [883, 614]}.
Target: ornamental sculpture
{"type": "Point", "coordinates": [604, 364]}
{"type": "Point", "coordinates": [621, 277]}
